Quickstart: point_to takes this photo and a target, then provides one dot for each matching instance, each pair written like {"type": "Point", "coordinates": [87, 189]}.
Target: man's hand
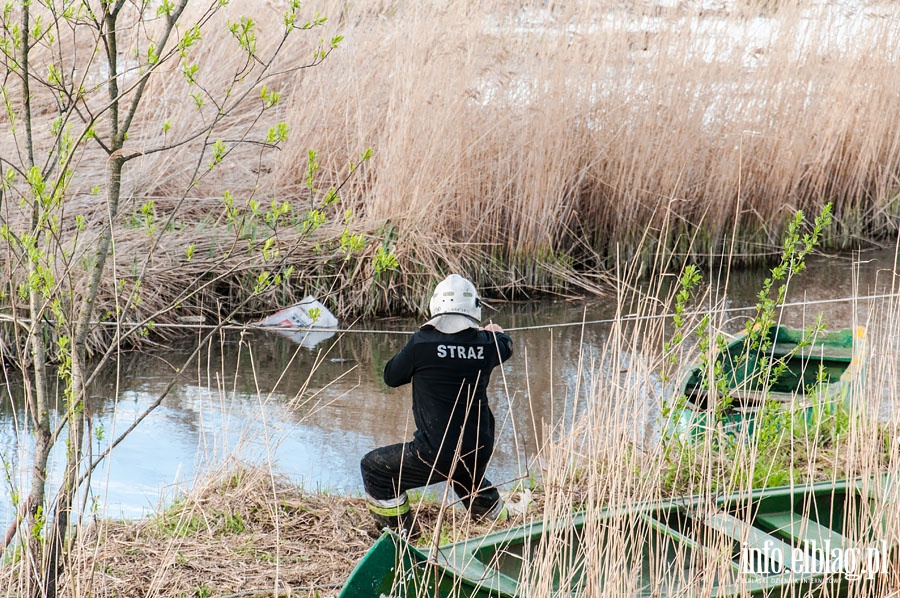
{"type": "Point", "coordinates": [493, 328]}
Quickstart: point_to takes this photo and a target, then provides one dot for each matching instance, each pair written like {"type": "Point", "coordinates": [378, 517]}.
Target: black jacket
{"type": "Point", "coordinates": [450, 374]}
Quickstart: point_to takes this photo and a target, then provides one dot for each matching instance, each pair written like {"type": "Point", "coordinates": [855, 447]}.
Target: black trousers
{"type": "Point", "coordinates": [390, 471]}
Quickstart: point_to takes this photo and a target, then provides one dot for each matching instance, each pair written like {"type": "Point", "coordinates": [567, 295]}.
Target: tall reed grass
{"type": "Point", "coordinates": [612, 454]}
{"type": "Point", "coordinates": [570, 133]}
{"type": "Point", "coordinates": [618, 455]}
{"type": "Point", "coordinates": [528, 145]}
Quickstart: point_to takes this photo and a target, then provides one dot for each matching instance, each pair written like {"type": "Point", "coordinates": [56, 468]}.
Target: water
{"type": "Point", "coordinates": [313, 413]}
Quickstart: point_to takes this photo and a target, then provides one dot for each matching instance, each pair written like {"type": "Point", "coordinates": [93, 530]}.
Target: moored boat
{"type": "Point", "coordinates": [789, 541]}
{"type": "Point", "coordinates": [811, 375]}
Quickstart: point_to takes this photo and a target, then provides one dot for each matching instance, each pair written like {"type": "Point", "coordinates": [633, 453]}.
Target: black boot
{"type": "Point", "coordinates": [404, 524]}
{"type": "Point", "coordinates": [497, 512]}
{"type": "Point", "coordinates": [409, 526]}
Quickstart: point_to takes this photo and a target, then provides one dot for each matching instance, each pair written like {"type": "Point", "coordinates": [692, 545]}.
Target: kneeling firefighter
{"type": "Point", "coordinates": [449, 362]}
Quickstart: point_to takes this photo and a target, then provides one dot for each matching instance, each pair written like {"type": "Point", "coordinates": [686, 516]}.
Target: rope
{"type": "Point", "coordinates": [704, 312]}
{"type": "Point", "coordinates": [627, 318]}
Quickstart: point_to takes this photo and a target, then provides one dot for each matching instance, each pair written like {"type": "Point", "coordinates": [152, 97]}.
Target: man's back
{"type": "Point", "coordinates": [450, 374]}
{"type": "Point", "coordinates": [449, 362]}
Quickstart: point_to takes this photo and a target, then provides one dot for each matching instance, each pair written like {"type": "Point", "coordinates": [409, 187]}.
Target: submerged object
{"type": "Point", "coordinates": [307, 322]}
{"type": "Point", "coordinates": [810, 376]}
{"type": "Point", "coordinates": [790, 541]}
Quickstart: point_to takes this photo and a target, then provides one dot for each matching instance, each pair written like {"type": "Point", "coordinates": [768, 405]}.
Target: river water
{"type": "Point", "coordinates": [313, 412]}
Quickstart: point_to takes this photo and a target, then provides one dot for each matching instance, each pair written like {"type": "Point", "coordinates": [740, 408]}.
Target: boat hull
{"type": "Point", "coordinates": [760, 543]}
{"type": "Point", "coordinates": [819, 378]}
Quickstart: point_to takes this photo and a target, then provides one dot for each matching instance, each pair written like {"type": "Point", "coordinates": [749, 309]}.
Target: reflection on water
{"type": "Point", "coordinates": [314, 413]}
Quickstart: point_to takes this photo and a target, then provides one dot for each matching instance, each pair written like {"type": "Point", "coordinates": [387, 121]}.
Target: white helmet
{"type": "Point", "coordinates": [454, 306]}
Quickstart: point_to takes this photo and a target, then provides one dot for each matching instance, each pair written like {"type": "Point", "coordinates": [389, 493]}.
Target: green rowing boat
{"type": "Point", "coordinates": [816, 539]}
{"type": "Point", "coordinates": [810, 376]}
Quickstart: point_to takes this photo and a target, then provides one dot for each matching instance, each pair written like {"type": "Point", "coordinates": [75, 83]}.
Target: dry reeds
{"type": "Point", "coordinates": [245, 528]}
{"type": "Point", "coordinates": [240, 529]}
{"type": "Point", "coordinates": [522, 145]}
{"type": "Point", "coordinates": [618, 454]}
{"type": "Point", "coordinates": [536, 129]}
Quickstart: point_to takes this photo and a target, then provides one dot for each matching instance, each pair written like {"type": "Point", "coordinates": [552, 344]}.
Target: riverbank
{"type": "Point", "coordinates": [246, 531]}
{"type": "Point", "coordinates": [243, 531]}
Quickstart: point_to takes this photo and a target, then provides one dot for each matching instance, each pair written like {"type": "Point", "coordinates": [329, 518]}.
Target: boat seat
{"type": "Point", "coordinates": [802, 529]}
{"type": "Point", "coordinates": [749, 399]}
{"type": "Point", "coordinates": [778, 550]}
{"type": "Point", "coordinates": [844, 354]}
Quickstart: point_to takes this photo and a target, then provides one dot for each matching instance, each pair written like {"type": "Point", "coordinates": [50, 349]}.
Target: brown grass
{"type": "Point", "coordinates": [535, 130]}
{"type": "Point", "coordinates": [285, 538]}
{"type": "Point", "coordinates": [240, 530]}
{"type": "Point", "coordinates": [527, 147]}
{"type": "Point", "coordinates": [613, 456]}
{"type": "Point", "coordinates": [245, 528]}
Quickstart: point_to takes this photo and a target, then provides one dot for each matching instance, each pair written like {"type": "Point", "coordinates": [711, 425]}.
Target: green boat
{"type": "Point", "coordinates": [817, 375]}
{"type": "Point", "coordinates": [775, 542]}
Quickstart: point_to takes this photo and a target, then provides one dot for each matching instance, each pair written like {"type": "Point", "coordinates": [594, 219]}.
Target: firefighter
{"type": "Point", "coordinates": [449, 362]}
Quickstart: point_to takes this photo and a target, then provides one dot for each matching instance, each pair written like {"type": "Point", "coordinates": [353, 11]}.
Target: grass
{"type": "Point", "coordinates": [288, 538]}
{"type": "Point", "coordinates": [528, 146]}
{"type": "Point", "coordinates": [535, 148]}
{"type": "Point", "coordinates": [604, 462]}
{"type": "Point", "coordinates": [244, 528]}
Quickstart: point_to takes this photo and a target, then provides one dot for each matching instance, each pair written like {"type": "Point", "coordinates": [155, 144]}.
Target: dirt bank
{"type": "Point", "coordinates": [245, 532]}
